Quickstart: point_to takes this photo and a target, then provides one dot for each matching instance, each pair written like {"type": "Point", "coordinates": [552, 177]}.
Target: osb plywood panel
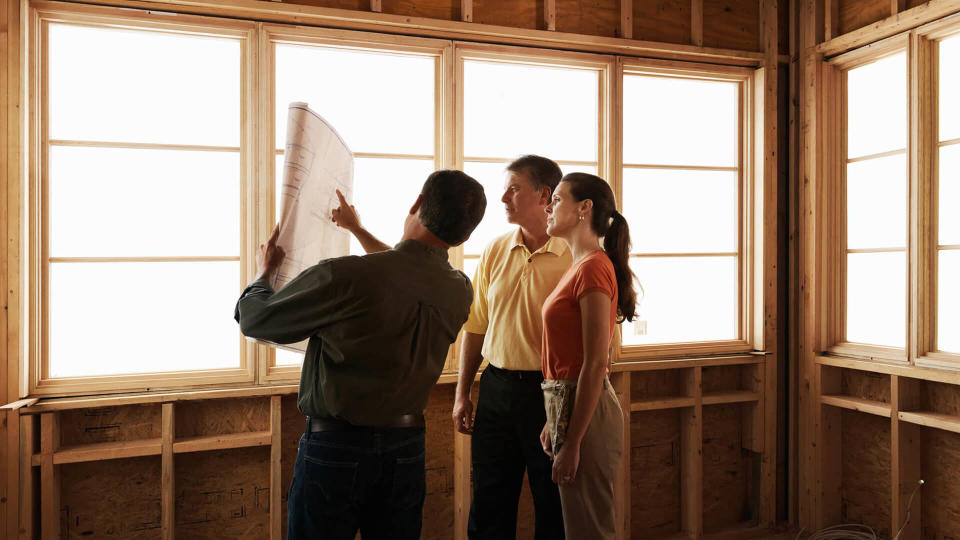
{"type": "Point", "coordinates": [662, 20]}
{"type": "Point", "coordinates": [940, 397]}
{"type": "Point", "coordinates": [655, 473]}
{"type": "Point", "coordinates": [223, 494]}
{"type": "Point", "coordinates": [222, 416]}
{"type": "Point", "coordinates": [656, 384]}
{"type": "Point", "coordinates": [591, 17]}
{"type": "Point", "coordinates": [108, 424]}
{"type": "Point", "coordinates": [111, 499]}
{"type": "Point", "coordinates": [915, 3]}
{"type": "Point", "coordinates": [434, 9]}
{"type": "Point", "coordinates": [727, 378]}
{"type": "Point", "coordinates": [865, 470]}
{"type": "Point", "coordinates": [438, 506]}
{"type": "Point", "coordinates": [515, 13]}
{"type": "Point", "coordinates": [865, 384]}
{"type": "Point", "coordinates": [732, 24]}
{"type": "Point", "coordinates": [859, 13]}
{"type": "Point", "coordinates": [941, 490]}
{"type": "Point", "coordinates": [728, 497]}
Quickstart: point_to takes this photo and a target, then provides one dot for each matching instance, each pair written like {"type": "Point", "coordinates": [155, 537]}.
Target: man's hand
{"type": "Point", "coordinates": [566, 463]}
{"type": "Point", "coordinates": [463, 415]}
{"type": "Point", "coordinates": [346, 216]}
{"type": "Point", "coordinates": [545, 440]}
{"type": "Point", "coordinates": [269, 256]}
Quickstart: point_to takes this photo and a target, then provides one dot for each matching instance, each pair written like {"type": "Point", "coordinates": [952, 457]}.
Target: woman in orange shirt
{"type": "Point", "coordinates": [584, 430]}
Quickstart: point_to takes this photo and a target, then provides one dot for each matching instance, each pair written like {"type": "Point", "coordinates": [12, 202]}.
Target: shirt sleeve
{"type": "Point", "coordinates": [595, 274]}
{"type": "Point", "coordinates": [478, 320]}
{"type": "Point", "coordinates": [313, 300]}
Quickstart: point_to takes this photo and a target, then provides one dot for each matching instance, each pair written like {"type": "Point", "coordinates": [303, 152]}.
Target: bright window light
{"type": "Point", "coordinates": [876, 203]}
{"type": "Point", "coordinates": [116, 318]}
{"type": "Point", "coordinates": [876, 289]}
{"type": "Point", "coordinates": [680, 211]}
{"type": "Point", "coordinates": [948, 306]}
{"type": "Point", "coordinates": [671, 121]}
{"type": "Point", "coordinates": [949, 76]}
{"type": "Point", "coordinates": [515, 109]}
{"type": "Point", "coordinates": [349, 89]}
{"type": "Point", "coordinates": [949, 188]}
{"type": "Point", "coordinates": [684, 299]}
{"type": "Point", "coordinates": [142, 86]}
{"type": "Point", "coordinates": [877, 107]}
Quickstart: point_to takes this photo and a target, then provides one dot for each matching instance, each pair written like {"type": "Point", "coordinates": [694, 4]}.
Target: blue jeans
{"type": "Point", "coordinates": [371, 479]}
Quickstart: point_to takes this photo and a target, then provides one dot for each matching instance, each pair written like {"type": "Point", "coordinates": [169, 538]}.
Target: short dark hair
{"type": "Point", "coordinates": [451, 205]}
{"type": "Point", "coordinates": [542, 171]}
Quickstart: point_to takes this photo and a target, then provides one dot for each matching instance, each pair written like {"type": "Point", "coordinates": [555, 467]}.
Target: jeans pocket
{"type": "Point", "coordinates": [409, 479]}
{"type": "Point", "coordinates": [330, 483]}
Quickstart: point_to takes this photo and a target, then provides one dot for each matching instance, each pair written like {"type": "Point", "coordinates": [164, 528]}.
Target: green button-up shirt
{"type": "Point", "coordinates": [379, 326]}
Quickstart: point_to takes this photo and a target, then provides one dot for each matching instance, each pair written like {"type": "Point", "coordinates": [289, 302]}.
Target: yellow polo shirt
{"type": "Point", "coordinates": [510, 286]}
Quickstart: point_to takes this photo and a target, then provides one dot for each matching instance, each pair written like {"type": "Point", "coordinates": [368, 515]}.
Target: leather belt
{"type": "Point", "coordinates": [516, 374]}
{"type": "Point", "coordinates": [317, 423]}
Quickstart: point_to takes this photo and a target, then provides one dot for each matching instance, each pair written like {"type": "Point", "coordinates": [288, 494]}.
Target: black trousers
{"type": "Point", "coordinates": [505, 442]}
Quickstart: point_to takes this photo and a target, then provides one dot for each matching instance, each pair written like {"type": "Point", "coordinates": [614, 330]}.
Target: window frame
{"type": "Point", "coordinates": [271, 35]}
{"type": "Point", "coordinates": [921, 198]}
{"type": "Point", "coordinates": [750, 200]}
{"type": "Point", "coordinates": [36, 268]}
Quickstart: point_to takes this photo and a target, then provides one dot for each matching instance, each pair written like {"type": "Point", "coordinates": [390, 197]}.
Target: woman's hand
{"type": "Point", "coordinates": [545, 440]}
{"type": "Point", "coordinates": [565, 464]}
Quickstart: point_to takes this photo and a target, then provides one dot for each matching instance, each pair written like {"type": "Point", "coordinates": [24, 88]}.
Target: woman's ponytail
{"type": "Point", "coordinates": [616, 242]}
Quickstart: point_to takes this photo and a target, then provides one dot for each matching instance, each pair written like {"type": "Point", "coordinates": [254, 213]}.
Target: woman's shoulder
{"type": "Point", "coordinates": [597, 262]}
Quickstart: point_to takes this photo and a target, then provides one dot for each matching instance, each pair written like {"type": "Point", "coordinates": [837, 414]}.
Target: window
{"type": "Point", "coordinates": [682, 184]}
{"type": "Point", "coordinates": [948, 167]}
{"type": "Point", "coordinates": [393, 134]}
{"type": "Point", "coordinates": [142, 172]}
{"type": "Point", "coordinates": [876, 205]}
{"type": "Point", "coordinates": [512, 106]}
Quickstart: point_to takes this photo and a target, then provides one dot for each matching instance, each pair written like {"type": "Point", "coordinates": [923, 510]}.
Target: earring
{"type": "Point", "coordinates": [581, 217]}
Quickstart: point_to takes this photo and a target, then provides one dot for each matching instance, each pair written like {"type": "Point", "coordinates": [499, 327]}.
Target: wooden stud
{"type": "Point", "coordinates": [376, 6]}
{"type": "Point", "coordinates": [27, 485]}
{"type": "Point", "coordinates": [905, 20]}
{"type": "Point", "coordinates": [696, 22]}
{"type": "Point", "coordinates": [626, 19]}
{"type": "Point", "coordinates": [462, 495]}
{"type": "Point", "coordinates": [466, 10]}
{"type": "Point", "coordinates": [831, 18]}
{"type": "Point", "coordinates": [167, 486]}
{"type": "Point", "coordinates": [905, 459]}
{"type": "Point", "coordinates": [691, 455]}
{"type": "Point", "coordinates": [550, 14]}
{"type": "Point", "coordinates": [49, 477]}
{"type": "Point", "coordinates": [622, 486]}
{"type": "Point", "coordinates": [829, 452]}
{"type": "Point", "coordinates": [277, 517]}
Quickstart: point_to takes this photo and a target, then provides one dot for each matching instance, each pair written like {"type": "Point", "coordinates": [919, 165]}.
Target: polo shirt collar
{"type": "Point", "coordinates": [554, 245]}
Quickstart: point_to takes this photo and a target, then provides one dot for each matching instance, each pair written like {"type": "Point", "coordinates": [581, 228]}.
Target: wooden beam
{"type": "Point", "coordinates": [461, 484]}
{"type": "Point", "coordinates": [550, 14]}
{"type": "Point", "coordinates": [27, 485]}
{"type": "Point", "coordinates": [906, 449]}
{"type": "Point", "coordinates": [696, 22]}
{"type": "Point", "coordinates": [277, 517]}
{"type": "Point", "coordinates": [626, 19]}
{"type": "Point", "coordinates": [831, 19]}
{"type": "Point", "coordinates": [903, 21]}
{"type": "Point", "coordinates": [65, 404]}
{"type": "Point", "coordinates": [691, 456]}
{"type": "Point", "coordinates": [376, 6]}
{"type": "Point", "coordinates": [621, 385]}
{"type": "Point", "coordinates": [466, 10]}
{"type": "Point", "coordinates": [167, 486]}
{"type": "Point", "coordinates": [49, 477]}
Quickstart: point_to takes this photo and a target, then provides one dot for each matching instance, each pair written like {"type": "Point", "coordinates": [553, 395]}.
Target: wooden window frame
{"type": "Point", "coordinates": [921, 198]}
{"type": "Point", "coordinates": [750, 212]}
{"type": "Point", "coordinates": [41, 14]}
{"type": "Point", "coordinates": [272, 34]}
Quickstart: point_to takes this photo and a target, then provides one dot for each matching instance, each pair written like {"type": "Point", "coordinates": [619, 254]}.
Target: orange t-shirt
{"type": "Point", "coordinates": [562, 350]}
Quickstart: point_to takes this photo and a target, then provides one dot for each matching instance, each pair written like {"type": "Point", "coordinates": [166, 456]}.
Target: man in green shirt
{"type": "Point", "coordinates": [379, 326]}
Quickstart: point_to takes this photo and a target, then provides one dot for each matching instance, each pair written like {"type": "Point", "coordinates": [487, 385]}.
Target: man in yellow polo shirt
{"type": "Point", "coordinates": [516, 273]}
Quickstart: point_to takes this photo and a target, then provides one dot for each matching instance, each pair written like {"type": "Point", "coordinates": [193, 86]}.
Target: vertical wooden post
{"type": "Point", "coordinates": [466, 10]}
{"type": "Point", "coordinates": [696, 22]}
{"type": "Point", "coordinates": [626, 19]}
{"type": "Point", "coordinates": [550, 14]}
{"type": "Point", "coordinates": [167, 487]}
{"type": "Point", "coordinates": [831, 19]}
{"type": "Point", "coordinates": [277, 517]}
{"type": "Point", "coordinates": [691, 456]}
{"type": "Point", "coordinates": [830, 451]}
{"type": "Point", "coordinates": [461, 484]}
{"type": "Point", "coordinates": [49, 479]}
{"type": "Point", "coordinates": [621, 384]}
{"type": "Point", "coordinates": [27, 487]}
{"type": "Point", "coordinates": [9, 454]}
{"type": "Point", "coordinates": [906, 447]}
{"type": "Point", "coordinates": [376, 6]}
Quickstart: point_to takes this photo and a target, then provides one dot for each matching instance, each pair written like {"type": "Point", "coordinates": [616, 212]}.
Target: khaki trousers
{"type": "Point", "coordinates": [588, 508]}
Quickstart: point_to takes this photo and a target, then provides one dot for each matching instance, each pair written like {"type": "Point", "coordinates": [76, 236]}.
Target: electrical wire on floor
{"type": "Point", "coordinates": [852, 531]}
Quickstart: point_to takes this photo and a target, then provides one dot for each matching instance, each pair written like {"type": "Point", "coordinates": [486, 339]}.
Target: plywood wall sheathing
{"type": "Point", "coordinates": [733, 24]}
{"type": "Point", "coordinates": [111, 499]}
{"type": "Point", "coordinates": [668, 21]}
{"type": "Point", "coordinates": [222, 416]}
{"type": "Point", "coordinates": [655, 464]}
{"type": "Point", "coordinates": [109, 424]}
{"type": "Point", "coordinates": [596, 17]}
{"type": "Point", "coordinates": [730, 471]}
{"type": "Point", "coordinates": [865, 471]}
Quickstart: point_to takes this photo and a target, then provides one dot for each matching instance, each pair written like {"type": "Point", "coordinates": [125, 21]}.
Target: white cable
{"type": "Point", "coordinates": [858, 532]}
